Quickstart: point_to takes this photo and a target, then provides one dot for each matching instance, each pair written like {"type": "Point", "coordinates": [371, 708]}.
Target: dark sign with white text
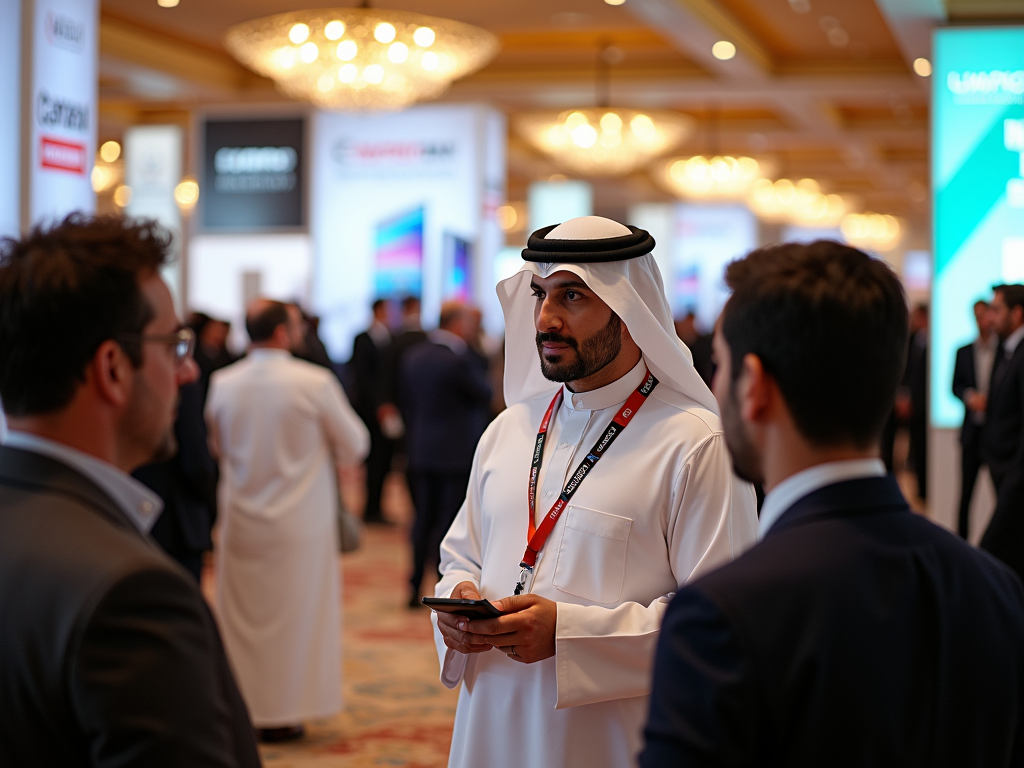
{"type": "Point", "coordinates": [253, 175]}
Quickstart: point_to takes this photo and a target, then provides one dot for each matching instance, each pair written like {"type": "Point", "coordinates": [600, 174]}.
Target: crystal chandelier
{"type": "Point", "coordinates": [871, 231]}
{"type": "Point", "coordinates": [714, 178]}
{"type": "Point", "coordinates": [801, 203]}
{"type": "Point", "coordinates": [360, 58]}
{"type": "Point", "coordinates": [603, 141]}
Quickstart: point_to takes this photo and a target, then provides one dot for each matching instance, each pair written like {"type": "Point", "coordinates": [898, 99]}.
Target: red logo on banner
{"type": "Point", "coordinates": [62, 155]}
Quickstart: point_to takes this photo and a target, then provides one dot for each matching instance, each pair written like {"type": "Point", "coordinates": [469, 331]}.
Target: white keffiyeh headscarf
{"type": "Point", "coordinates": [630, 284]}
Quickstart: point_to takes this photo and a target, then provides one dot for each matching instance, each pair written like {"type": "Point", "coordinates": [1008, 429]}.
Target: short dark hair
{"type": "Point", "coordinates": [1013, 295]}
{"type": "Point", "coordinates": [262, 324]}
{"type": "Point", "coordinates": [378, 303]}
{"type": "Point", "coordinates": [830, 325]}
{"type": "Point", "coordinates": [409, 303]}
{"type": "Point", "coordinates": [65, 288]}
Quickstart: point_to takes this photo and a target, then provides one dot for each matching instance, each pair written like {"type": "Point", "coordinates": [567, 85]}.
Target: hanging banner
{"type": "Point", "coordinates": [978, 180]}
{"type": "Point", "coordinates": [10, 116]}
{"type": "Point", "coordinates": [63, 134]}
{"type": "Point", "coordinates": [152, 169]}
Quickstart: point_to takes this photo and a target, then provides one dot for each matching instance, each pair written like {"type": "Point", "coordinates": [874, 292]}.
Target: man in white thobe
{"type": "Point", "coordinates": [281, 426]}
{"type": "Point", "coordinates": [562, 678]}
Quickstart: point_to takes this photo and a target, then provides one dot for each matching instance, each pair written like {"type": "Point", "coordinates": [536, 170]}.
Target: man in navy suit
{"type": "Point", "coordinates": [1003, 442]}
{"type": "Point", "coordinates": [445, 398]}
{"type": "Point", "coordinates": [855, 632]}
{"type": "Point", "coordinates": [971, 375]}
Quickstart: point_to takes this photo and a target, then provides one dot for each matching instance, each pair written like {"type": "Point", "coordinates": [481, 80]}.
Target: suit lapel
{"type": "Point", "coordinates": [866, 495]}
{"type": "Point", "coordinates": [33, 471]}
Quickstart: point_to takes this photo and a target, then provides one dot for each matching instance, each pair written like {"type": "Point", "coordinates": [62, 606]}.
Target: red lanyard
{"type": "Point", "coordinates": [538, 536]}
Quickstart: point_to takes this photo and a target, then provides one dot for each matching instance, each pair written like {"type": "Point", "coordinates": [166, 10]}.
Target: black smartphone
{"type": "Point", "coordinates": [473, 609]}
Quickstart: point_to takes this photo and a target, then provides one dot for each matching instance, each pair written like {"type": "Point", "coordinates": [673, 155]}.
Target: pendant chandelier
{"type": "Point", "coordinates": [718, 178]}
{"type": "Point", "coordinates": [360, 58]}
{"type": "Point", "coordinates": [603, 141]}
{"type": "Point", "coordinates": [871, 231]}
{"type": "Point", "coordinates": [801, 203]}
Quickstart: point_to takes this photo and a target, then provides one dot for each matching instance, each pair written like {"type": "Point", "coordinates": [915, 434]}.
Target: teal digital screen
{"type": "Point", "coordinates": [978, 188]}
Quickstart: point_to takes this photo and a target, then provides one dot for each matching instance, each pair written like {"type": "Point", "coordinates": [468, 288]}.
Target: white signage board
{"type": "Point", "coordinates": [706, 239]}
{"type": "Point", "coordinates": [404, 203]}
{"type": "Point", "coordinates": [225, 272]}
{"type": "Point", "coordinates": [10, 116]}
{"type": "Point", "coordinates": [62, 141]}
{"type": "Point", "coordinates": [152, 169]}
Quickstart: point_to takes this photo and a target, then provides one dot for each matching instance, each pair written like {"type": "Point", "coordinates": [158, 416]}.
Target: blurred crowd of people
{"type": "Point", "coordinates": [680, 615]}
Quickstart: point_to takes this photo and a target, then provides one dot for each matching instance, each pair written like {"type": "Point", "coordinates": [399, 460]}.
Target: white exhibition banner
{"type": "Point", "coordinates": [404, 204]}
{"type": "Point", "coordinates": [62, 141]}
{"type": "Point", "coordinates": [226, 272]}
{"type": "Point", "coordinates": [706, 238]}
{"type": "Point", "coordinates": [152, 169]}
{"type": "Point", "coordinates": [10, 116]}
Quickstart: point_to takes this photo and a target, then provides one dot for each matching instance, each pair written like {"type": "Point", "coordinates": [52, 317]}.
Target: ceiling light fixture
{"type": "Point", "coordinates": [923, 67]}
{"type": "Point", "coordinates": [801, 203]}
{"type": "Point", "coordinates": [723, 50]}
{"type": "Point", "coordinates": [358, 58]}
{"type": "Point", "coordinates": [604, 141]}
{"type": "Point", "coordinates": [167, 3]}
{"type": "Point", "coordinates": [721, 177]}
{"type": "Point", "coordinates": [871, 231]}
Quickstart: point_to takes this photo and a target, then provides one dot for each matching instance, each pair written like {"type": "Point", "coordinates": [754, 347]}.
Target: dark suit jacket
{"type": "Point", "coordinates": [855, 633]}
{"type": "Point", "coordinates": [915, 377]}
{"type": "Point", "coordinates": [1003, 442]}
{"type": "Point", "coordinates": [187, 483]}
{"type": "Point", "coordinates": [443, 397]}
{"type": "Point", "coordinates": [964, 378]}
{"type": "Point", "coordinates": [393, 365]}
{"type": "Point", "coordinates": [369, 369]}
{"type": "Point", "coordinates": [109, 655]}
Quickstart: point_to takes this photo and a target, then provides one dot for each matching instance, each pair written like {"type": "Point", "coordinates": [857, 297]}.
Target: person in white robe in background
{"type": "Point", "coordinates": [280, 427]}
{"type": "Point", "coordinates": [563, 679]}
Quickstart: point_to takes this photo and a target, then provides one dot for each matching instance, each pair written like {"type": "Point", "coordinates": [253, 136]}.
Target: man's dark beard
{"type": "Point", "coordinates": [591, 356]}
{"type": "Point", "coordinates": [746, 464]}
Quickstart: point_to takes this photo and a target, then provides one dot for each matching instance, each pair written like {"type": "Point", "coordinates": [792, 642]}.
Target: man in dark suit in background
{"type": "Point", "coordinates": [971, 375]}
{"type": "Point", "coordinates": [1002, 445]}
{"type": "Point", "coordinates": [915, 385]}
{"type": "Point", "coordinates": [855, 632]}
{"type": "Point", "coordinates": [187, 485]}
{"type": "Point", "coordinates": [446, 398]}
{"type": "Point", "coordinates": [370, 351]}
{"type": "Point", "coordinates": [109, 655]}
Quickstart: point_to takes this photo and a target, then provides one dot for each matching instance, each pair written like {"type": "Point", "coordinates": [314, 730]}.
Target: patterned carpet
{"type": "Point", "coordinates": [397, 714]}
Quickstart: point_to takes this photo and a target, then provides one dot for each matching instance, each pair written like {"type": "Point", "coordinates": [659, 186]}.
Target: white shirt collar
{"type": "Point", "coordinates": [268, 353]}
{"type": "Point", "coordinates": [137, 501]}
{"type": "Point", "coordinates": [608, 395]}
{"type": "Point", "coordinates": [803, 483]}
{"type": "Point", "coordinates": [448, 339]}
{"type": "Point", "coordinates": [1013, 340]}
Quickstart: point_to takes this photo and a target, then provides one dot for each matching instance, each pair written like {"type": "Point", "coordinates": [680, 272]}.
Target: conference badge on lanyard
{"type": "Point", "coordinates": [536, 537]}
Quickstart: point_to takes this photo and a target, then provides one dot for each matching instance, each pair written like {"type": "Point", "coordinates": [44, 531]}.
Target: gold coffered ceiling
{"type": "Point", "coordinates": [823, 87]}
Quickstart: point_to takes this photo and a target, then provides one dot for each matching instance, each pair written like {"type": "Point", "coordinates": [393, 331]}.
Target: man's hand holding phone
{"type": "Point", "coordinates": [525, 633]}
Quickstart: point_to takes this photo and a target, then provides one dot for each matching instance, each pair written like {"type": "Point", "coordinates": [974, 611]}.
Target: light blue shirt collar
{"type": "Point", "coordinates": [795, 487]}
{"type": "Point", "coordinates": [137, 501]}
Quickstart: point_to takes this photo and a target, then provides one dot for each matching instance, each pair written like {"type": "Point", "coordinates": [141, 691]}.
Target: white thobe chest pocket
{"type": "Point", "coordinates": [591, 557]}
